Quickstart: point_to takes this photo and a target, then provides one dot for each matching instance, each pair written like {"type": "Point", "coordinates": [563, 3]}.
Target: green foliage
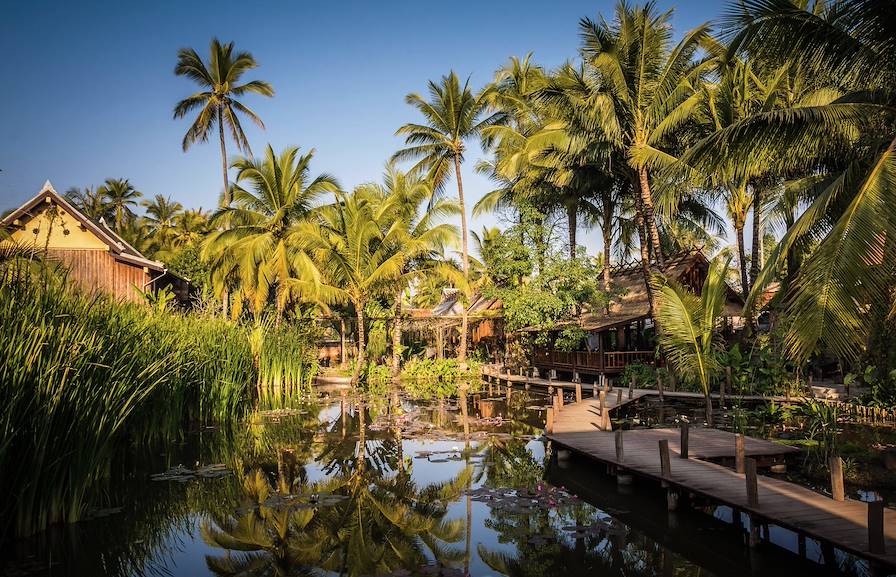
{"type": "Point", "coordinates": [882, 387]}
{"type": "Point", "coordinates": [644, 376]}
{"type": "Point", "coordinates": [821, 423]}
{"type": "Point", "coordinates": [188, 263]}
{"type": "Point", "coordinates": [560, 288]}
{"type": "Point", "coordinates": [438, 378]}
{"type": "Point", "coordinates": [287, 362]}
{"type": "Point", "coordinates": [570, 338]}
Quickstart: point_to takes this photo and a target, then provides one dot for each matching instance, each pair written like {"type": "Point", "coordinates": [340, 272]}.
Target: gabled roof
{"type": "Point", "coordinates": [118, 247]}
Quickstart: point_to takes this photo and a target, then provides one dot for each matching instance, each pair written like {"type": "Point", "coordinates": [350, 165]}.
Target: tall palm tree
{"type": "Point", "coordinates": [272, 197]}
{"type": "Point", "coordinates": [120, 196]}
{"type": "Point", "coordinates": [219, 80]}
{"type": "Point", "coordinates": [649, 92]}
{"type": "Point", "coordinates": [452, 116]}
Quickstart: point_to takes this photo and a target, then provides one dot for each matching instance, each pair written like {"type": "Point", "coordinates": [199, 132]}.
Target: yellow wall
{"type": "Point", "coordinates": [77, 237]}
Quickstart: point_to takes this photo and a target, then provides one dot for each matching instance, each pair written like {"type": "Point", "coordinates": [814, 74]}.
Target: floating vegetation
{"type": "Point", "coordinates": [182, 474]}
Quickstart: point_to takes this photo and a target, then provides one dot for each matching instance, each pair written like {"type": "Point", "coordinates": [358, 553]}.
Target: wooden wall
{"type": "Point", "coordinates": [97, 270]}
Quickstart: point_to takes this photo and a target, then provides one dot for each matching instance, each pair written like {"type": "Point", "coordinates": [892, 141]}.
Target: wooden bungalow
{"type": "Point", "coordinates": [97, 258]}
{"type": "Point", "coordinates": [624, 335]}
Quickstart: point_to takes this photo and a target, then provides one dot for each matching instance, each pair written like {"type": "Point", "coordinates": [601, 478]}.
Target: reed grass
{"type": "Point", "coordinates": [82, 377]}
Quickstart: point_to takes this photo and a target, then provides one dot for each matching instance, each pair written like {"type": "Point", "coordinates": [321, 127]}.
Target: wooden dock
{"type": "Point", "coordinates": [841, 524]}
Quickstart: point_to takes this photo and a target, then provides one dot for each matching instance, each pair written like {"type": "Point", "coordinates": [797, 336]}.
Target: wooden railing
{"type": "Point", "coordinates": [592, 361]}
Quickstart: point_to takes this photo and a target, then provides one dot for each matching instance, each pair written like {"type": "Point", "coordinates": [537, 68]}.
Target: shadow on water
{"type": "Point", "coordinates": [385, 486]}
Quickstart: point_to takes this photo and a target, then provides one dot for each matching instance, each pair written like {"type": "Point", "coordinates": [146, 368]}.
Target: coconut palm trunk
{"type": "Point", "coordinates": [343, 343]}
{"type": "Point", "coordinates": [396, 339]}
{"type": "Point", "coordinates": [226, 198]}
{"type": "Point", "coordinates": [462, 351]}
{"type": "Point", "coordinates": [362, 344]}
{"type": "Point", "coordinates": [645, 256]}
{"type": "Point", "coordinates": [608, 241]}
{"type": "Point", "coordinates": [572, 218]}
{"type": "Point", "coordinates": [742, 260]}
{"type": "Point", "coordinates": [756, 252]}
{"type": "Point", "coordinates": [650, 217]}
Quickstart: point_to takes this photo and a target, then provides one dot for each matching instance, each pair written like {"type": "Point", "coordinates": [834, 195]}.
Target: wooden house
{"type": "Point", "coordinates": [96, 257]}
{"type": "Point", "coordinates": [624, 334]}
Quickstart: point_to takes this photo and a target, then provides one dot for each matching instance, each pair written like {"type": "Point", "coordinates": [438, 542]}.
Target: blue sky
{"type": "Point", "coordinates": [89, 86]}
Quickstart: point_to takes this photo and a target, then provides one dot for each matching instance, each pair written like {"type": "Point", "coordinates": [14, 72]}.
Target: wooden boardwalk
{"type": "Point", "coordinates": [843, 524]}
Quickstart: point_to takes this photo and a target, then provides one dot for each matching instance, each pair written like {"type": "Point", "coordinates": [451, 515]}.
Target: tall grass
{"type": "Point", "coordinates": [80, 377]}
{"type": "Point", "coordinates": [287, 363]}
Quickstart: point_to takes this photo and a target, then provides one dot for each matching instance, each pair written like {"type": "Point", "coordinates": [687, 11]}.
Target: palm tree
{"type": "Point", "coordinates": [272, 197]}
{"type": "Point", "coordinates": [648, 93]}
{"type": "Point", "coordinates": [408, 199]}
{"type": "Point", "coordinates": [161, 218]}
{"type": "Point", "coordinates": [190, 226]}
{"type": "Point", "coordinates": [120, 196]}
{"type": "Point", "coordinates": [452, 116]}
{"type": "Point", "coordinates": [90, 201]}
{"type": "Point", "coordinates": [217, 100]}
{"type": "Point", "coordinates": [847, 162]}
{"type": "Point", "coordinates": [688, 326]}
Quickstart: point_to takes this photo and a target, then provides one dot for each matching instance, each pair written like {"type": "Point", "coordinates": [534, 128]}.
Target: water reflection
{"type": "Point", "coordinates": [383, 486]}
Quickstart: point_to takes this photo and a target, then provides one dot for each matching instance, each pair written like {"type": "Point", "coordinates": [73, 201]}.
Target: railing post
{"type": "Point", "coordinates": [659, 386]}
{"type": "Point", "coordinates": [578, 392]}
{"type": "Point", "coordinates": [665, 463]}
{"type": "Point", "coordinates": [549, 423]}
{"type": "Point", "coordinates": [752, 483]}
{"type": "Point", "coordinates": [618, 397]}
{"type": "Point", "coordinates": [739, 453]}
{"type": "Point", "coordinates": [837, 491]}
{"type": "Point", "coordinates": [876, 542]}
{"type": "Point", "coordinates": [685, 427]}
{"type": "Point", "coordinates": [620, 452]}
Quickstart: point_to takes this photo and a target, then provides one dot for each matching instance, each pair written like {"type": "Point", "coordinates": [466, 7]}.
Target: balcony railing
{"type": "Point", "coordinates": [585, 361]}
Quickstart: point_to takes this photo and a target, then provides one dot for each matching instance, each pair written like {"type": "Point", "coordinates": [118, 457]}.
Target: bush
{"type": "Point", "coordinates": [439, 378]}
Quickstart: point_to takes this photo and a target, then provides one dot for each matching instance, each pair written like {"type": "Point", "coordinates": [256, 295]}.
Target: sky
{"type": "Point", "coordinates": [90, 86]}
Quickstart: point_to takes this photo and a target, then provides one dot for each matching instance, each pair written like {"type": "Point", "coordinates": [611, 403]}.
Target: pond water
{"type": "Point", "coordinates": [388, 486]}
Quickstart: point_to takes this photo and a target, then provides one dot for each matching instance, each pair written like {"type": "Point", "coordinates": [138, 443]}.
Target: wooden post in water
{"type": "Point", "coordinates": [876, 543]}
{"type": "Point", "coordinates": [752, 483]}
{"type": "Point", "coordinates": [620, 453]}
{"type": "Point", "coordinates": [739, 453]}
{"type": "Point", "coordinates": [579, 391]}
{"type": "Point", "coordinates": [837, 491]}
{"type": "Point", "coordinates": [604, 411]}
{"type": "Point", "coordinates": [685, 428]}
{"type": "Point", "coordinates": [665, 463]}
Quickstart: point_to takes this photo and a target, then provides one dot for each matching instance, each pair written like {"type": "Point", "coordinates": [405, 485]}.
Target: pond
{"type": "Point", "coordinates": [387, 486]}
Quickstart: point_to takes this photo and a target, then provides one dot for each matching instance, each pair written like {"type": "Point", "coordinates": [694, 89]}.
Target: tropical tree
{"type": "Point", "coordinates": [161, 218]}
{"type": "Point", "coordinates": [90, 201]}
{"type": "Point", "coordinates": [217, 101]}
{"type": "Point", "coordinates": [648, 92]}
{"type": "Point", "coordinates": [452, 116]}
{"type": "Point", "coordinates": [120, 196]}
{"type": "Point", "coordinates": [272, 197]}
{"type": "Point", "coordinates": [409, 197]}
{"type": "Point", "coordinates": [843, 152]}
{"type": "Point", "coordinates": [688, 327]}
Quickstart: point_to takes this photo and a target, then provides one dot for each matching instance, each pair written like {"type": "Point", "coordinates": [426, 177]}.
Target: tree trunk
{"type": "Point", "coordinates": [645, 256]}
{"type": "Point", "coordinates": [362, 345]}
{"type": "Point", "coordinates": [757, 263]}
{"type": "Point", "coordinates": [343, 344]}
{"type": "Point", "coordinates": [396, 339]}
{"type": "Point", "coordinates": [226, 197]}
{"type": "Point", "coordinates": [650, 218]}
{"type": "Point", "coordinates": [608, 241]}
{"type": "Point", "coordinates": [462, 351]}
{"type": "Point", "coordinates": [572, 217]}
{"type": "Point", "coordinates": [742, 261]}
{"type": "Point", "coordinates": [708, 398]}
